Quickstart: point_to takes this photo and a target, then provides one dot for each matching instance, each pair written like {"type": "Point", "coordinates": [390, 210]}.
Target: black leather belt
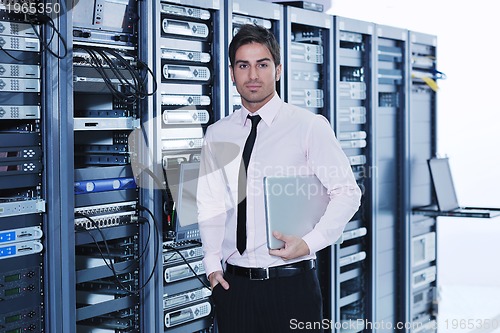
{"type": "Point", "coordinates": [272, 272]}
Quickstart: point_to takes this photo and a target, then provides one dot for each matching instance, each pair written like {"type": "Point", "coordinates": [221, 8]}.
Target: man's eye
{"type": "Point", "coordinates": [243, 66]}
{"type": "Point", "coordinates": [263, 65]}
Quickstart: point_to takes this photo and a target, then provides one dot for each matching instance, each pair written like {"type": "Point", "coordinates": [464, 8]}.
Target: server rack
{"type": "Point", "coordinates": [308, 75]}
{"type": "Point", "coordinates": [421, 292]}
{"type": "Point", "coordinates": [189, 41]}
{"type": "Point", "coordinates": [23, 182]}
{"type": "Point", "coordinates": [239, 12]}
{"type": "Point", "coordinates": [388, 180]}
{"type": "Point", "coordinates": [353, 105]}
{"type": "Point", "coordinates": [107, 248]}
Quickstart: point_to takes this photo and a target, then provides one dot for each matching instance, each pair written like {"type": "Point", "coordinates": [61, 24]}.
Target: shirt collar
{"type": "Point", "coordinates": [268, 112]}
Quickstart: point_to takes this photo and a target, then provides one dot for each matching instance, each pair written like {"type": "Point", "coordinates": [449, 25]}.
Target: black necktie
{"type": "Point", "coordinates": [241, 228]}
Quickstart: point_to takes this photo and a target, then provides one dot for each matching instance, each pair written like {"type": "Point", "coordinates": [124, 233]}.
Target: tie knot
{"type": "Point", "coordinates": [255, 120]}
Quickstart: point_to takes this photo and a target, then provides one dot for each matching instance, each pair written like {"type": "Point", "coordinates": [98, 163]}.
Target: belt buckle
{"type": "Point", "coordinates": [259, 277]}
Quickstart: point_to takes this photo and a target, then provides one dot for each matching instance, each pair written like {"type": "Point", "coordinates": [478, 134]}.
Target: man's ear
{"type": "Point", "coordinates": [231, 71]}
{"type": "Point", "coordinates": [278, 72]}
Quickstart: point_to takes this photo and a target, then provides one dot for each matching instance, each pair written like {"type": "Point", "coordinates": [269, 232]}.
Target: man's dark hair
{"type": "Point", "coordinates": [251, 33]}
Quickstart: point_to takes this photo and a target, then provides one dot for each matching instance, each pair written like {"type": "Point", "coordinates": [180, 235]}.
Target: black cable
{"type": "Point", "coordinates": [189, 265]}
{"type": "Point", "coordinates": [96, 225]}
{"type": "Point", "coordinates": [118, 72]}
{"type": "Point", "coordinates": [137, 87]}
{"type": "Point", "coordinates": [80, 228]}
{"type": "Point", "coordinates": [149, 70]}
{"type": "Point", "coordinates": [11, 56]}
{"type": "Point", "coordinates": [40, 19]}
{"type": "Point", "coordinates": [110, 265]}
{"type": "Point", "coordinates": [156, 224]}
{"type": "Point", "coordinates": [141, 82]}
{"type": "Point", "coordinates": [168, 204]}
{"type": "Point", "coordinates": [146, 245]}
{"type": "Point", "coordinates": [156, 242]}
{"type": "Point", "coordinates": [97, 65]}
{"type": "Point", "coordinates": [155, 178]}
{"type": "Point", "coordinates": [135, 90]}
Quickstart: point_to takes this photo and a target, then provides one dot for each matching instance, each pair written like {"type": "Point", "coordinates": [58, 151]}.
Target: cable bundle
{"type": "Point", "coordinates": [134, 87]}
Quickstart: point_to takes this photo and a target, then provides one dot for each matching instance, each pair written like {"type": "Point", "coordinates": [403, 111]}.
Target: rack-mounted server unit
{"type": "Point", "coordinates": [308, 71]}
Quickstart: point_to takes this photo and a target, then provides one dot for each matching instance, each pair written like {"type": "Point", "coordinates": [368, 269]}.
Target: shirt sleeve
{"type": "Point", "coordinates": [211, 206]}
{"type": "Point", "coordinates": [330, 164]}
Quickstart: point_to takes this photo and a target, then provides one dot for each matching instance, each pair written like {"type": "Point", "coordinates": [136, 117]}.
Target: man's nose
{"type": "Point", "coordinates": [253, 73]}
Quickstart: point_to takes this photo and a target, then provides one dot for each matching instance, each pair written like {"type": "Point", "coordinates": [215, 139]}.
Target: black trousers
{"type": "Point", "coordinates": [269, 306]}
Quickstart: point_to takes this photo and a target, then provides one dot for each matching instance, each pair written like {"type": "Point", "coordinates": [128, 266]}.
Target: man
{"type": "Point", "coordinates": [262, 290]}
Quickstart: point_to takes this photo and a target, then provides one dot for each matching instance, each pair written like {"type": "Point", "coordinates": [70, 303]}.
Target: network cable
{"type": "Point", "coordinates": [135, 87]}
{"type": "Point", "coordinates": [39, 19]}
{"type": "Point", "coordinates": [111, 266]}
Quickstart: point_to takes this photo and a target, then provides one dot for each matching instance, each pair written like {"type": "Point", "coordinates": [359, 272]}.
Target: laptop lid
{"type": "Point", "coordinates": [293, 204]}
{"type": "Point", "coordinates": [443, 184]}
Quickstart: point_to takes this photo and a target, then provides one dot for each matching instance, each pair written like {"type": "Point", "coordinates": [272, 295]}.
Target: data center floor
{"type": "Point", "coordinates": [467, 309]}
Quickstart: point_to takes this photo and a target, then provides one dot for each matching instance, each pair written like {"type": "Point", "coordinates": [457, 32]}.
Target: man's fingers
{"type": "Point", "coordinates": [277, 235]}
{"type": "Point", "coordinates": [223, 283]}
{"type": "Point", "coordinates": [217, 278]}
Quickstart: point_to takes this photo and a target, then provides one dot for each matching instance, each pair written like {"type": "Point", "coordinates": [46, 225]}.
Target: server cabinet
{"type": "Point", "coordinates": [308, 75]}
{"type": "Point", "coordinates": [353, 105]}
{"type": "Point", "coordinates": [109, 80]}
{"type": "Point", "coordinates": [189, 41]}
{"type": "Point", "coordinates": [23, 183]}
{"type": "Point", "coordinates": [239, 12]}
{"type": "Point", "coordinates": [421, 266]}
{"type": "Point", "coordinates": [388, 177]}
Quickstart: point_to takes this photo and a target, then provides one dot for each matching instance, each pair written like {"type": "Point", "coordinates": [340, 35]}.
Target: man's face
{"type": "Point", "coordinates": [255, 75]}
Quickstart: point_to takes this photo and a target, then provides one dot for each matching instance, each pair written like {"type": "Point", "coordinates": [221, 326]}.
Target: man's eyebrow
{"type": "Point", "coordinates": [246, 61]}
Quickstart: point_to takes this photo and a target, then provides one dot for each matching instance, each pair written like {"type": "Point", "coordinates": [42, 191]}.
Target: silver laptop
{"type": "Point", "coordinates": [446, 196]}
{"type": "Point", "coordinates": [294, 204]}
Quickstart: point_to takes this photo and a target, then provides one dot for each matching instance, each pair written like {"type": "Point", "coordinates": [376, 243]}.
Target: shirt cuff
{"type": "Point", "coordinates": [211, 264]}
{"type": "Point", "coordinates": [315, 241]}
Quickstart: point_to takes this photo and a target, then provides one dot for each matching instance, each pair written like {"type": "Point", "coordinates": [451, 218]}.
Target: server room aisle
{"type": "Point", "coordinates": [469, 275]}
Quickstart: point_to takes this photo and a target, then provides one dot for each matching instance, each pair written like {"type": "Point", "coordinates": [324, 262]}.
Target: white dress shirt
{"type": "Point", "coordinates": [290, 141]}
